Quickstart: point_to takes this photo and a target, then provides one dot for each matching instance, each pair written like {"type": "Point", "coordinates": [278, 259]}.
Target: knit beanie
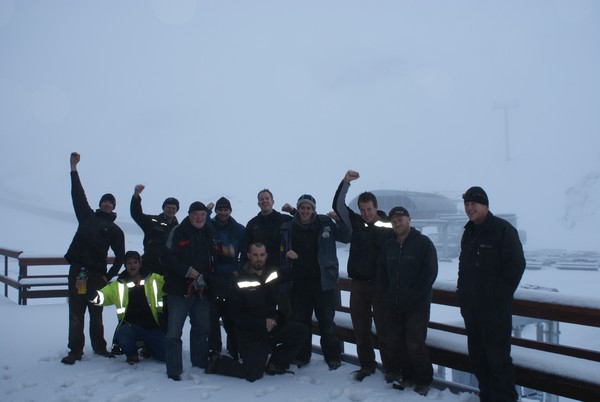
{"type": "Point", "coordinates": [476, 194]}
{"type": "Point", "coordinates": [306, 199]}
{"type": "Point", "coordinates": [223, 203]}
{"type": "Point", "coordinates": [108, 197]}
{"type": "Point", "coordinates": [171, 201]}
{"type": "Point", "coordinates": [197, 206]}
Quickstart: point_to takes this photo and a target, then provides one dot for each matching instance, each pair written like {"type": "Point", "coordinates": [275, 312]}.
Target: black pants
{"type": "Point", "coordinates": [489, 329]}
{"type": "Point", "coordinates": [306, 297]}
{"type": "Point", "coordinates": [368, 306]}
{"type": "Point", "coordinates": [77, 307]}
{"type": "Point", "coordinates": [283, 342]}
{"type": "Point", "coordinates": [406, 334]}
{"type": "Point", "coordinates": [220, 288]}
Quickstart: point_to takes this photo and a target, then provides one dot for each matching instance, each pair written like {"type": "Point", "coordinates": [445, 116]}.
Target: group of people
{"type": "Point", "coordinates": [264, 281]}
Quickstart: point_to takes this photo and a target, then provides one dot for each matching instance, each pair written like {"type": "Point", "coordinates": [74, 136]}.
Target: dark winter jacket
{"type": "Point", "coordinates": [366, 238]}
{"type": "Point", "coordinates": [189, 247]}
{"type": "Point", "coordinates": [253, 300]}
{"type": "Point", "coordinates": [491, 262]}
{"type": "Point", "coordinates": [407, 271]}
{"type": "Point", "coordinates": [96, 232]}
{"type": "Point", "coordinates": [318, 239]}
{"type": "Point", "coordinates": [229, 234]}
{"type": "Point", "coordinates": [156, 232]}
{"type": "Point", "coordinates": [265, 229]}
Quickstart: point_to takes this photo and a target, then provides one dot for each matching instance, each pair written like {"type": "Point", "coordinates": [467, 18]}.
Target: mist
{"type": "Point", "coordinates": [203, 99]}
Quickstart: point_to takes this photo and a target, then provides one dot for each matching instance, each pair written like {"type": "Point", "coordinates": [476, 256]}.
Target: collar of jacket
{"type": "Point", "coordinates": [110, 217]}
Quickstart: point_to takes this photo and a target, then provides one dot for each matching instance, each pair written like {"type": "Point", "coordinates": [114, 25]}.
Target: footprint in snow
{"type": "Point", "coordinates": [265, 391]}
{"type": "Point", "coordinates": [307, 379]}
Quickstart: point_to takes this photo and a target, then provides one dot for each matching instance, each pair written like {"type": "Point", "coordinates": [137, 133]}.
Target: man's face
{"type": "Point", "coordinates": [265, 203]}
{"type": "Point", "coordinates": [400, 225]}
{"type": "Point", "coordinates": [107, 207]}
{"type": "Point", "coordinates": [305, 212]}
{"type": "Point", "coordinates": [197, 219]}
{"type": "Point", "coordinates": [170, 210]}
{"type": "Point", "coordinates": [257, 256]}
{"type": "Point", "coordinates": [476, 212]}
{"type": "Point", "coordinates": [132, 265]}
{"type": "Point", "coordinates": [223, 214]}
{"type": "Point", "coordinates": [368, 211]}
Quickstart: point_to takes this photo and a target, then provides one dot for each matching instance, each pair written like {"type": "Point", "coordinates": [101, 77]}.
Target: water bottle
{"type": "Point", "coordinates": [81, 282]}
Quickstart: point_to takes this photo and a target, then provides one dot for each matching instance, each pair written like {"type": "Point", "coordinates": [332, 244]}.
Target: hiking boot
{"type": "Point", "coordinates": [104, 353]}
{"type": "Point", "coordinates": [213, 363]}
{"type": "Point", "coordinates": [421, 389]}
{"type": "Point", "coordinates": [116, 350]}
{"type": "Point", "coordinates": [301, 363]}
{"type": "Point", "coordinates": [273, 369]}
{"type": "Point", "coordinates": [360, 375]}
{"type": "Point", "coordinates": [334, 364]}
{"type": "Point", "coordinates": [175, 377]}
{"type": "Point", "coordinates": [145, 352]}
{"type": "Point", "coordinates": [402, 384]}
{"type": "Point", "coordinates": [391, 377]}
{"type": "Point", "coordinates": [133, 359]}
{"type": "Point", "coordinates": [71, 358]}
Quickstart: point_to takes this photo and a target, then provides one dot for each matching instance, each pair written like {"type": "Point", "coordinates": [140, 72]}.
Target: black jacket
{"type": "Point", "coordinates": [491, 262]}
{"type": "Point", "coordinates": [366, 238]}
{"type": "Point", "coordinates": [189, 247]}
{"type": "Point", "coordinates": [265, 229]}
{"type": "Point", "coordinates": [407, 271]}
{"type": "Point", "coordinates": [252, 301]}
{"type": "Point", "coordinates": [318, 239]}
{"type": "Point", "coordinates": [96, 233]}
{"type": "Point", "coordinates": [156, 232]}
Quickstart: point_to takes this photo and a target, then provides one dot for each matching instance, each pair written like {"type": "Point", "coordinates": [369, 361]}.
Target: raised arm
{"type": "Point", "coordinates": [339, 199]}
{"type": "Point", "coordinates": [80, 203]}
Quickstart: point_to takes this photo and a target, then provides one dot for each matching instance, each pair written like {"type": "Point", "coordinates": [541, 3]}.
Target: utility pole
{"type": "Point", "coordinates": [505, 106]}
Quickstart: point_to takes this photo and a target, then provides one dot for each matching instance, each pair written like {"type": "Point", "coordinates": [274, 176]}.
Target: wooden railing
{"type": "Point", "coordinates": [35, 285]}
{"type": "Point", "coordinates": [447, 344]}
{"type": "Point", "coordinates": [6, 279]}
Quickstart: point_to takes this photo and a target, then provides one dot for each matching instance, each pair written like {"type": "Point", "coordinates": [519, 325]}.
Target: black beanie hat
{"type": "Point", "coordinates": [223, 203]}
{"type": "Point", "coordinates": [171, 201]}
{"type": "Point", "coordinates": [197, 206]}
{"type": "Point", "coordinates": [132, 254]}
{"type": "Point", "coordinates": [476, 194]}
{"type": "Point", "coordinates": [108, 197]}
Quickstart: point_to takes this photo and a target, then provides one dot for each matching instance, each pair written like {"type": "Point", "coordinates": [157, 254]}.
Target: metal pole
{"type": "Point", "coordinates": [505, 106]}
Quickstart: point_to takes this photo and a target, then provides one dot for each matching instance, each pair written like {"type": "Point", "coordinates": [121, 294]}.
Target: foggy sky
{"type": "Point", "coordinates": [200, 99]}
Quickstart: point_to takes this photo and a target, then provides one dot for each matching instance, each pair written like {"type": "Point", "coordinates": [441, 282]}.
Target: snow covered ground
{"type": "Point", "coordinates": [34, 340]}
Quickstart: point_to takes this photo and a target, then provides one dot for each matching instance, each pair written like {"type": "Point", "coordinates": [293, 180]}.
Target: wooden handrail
{"type": "Point", "coordinates": [8, 253]}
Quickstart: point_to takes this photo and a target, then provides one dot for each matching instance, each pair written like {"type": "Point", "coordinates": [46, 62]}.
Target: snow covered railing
{"type": "Point", "coordinates": [6, 279]}
{"type": "Point", "coordinates": [556, 369]}
{"type": "Point", "coordinates": [54, 280]}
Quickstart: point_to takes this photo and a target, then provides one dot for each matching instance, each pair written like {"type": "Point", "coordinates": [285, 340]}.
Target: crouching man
{"type": "Point", "coordinates": [139, 303]}
{"type": "Point", "coordinates": [260, 328]}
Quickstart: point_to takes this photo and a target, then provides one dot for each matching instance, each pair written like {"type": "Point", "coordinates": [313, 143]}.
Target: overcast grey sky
{"type": "Point", "coordinates": [199, 99]}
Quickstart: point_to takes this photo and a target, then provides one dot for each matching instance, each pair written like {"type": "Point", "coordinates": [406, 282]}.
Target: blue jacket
{"type": "Point", "coordinates": [328, 232]}
{"type": "Point", "coordinates": [230, 234]}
